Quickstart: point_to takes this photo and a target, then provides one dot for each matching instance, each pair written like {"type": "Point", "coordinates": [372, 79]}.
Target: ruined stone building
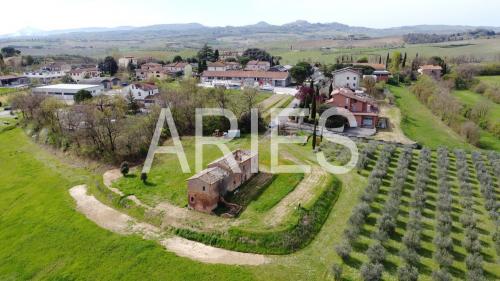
{"type": "Point", "coordinates": [207, 188]}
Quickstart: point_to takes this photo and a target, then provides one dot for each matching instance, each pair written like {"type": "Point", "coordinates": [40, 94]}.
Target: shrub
{"type": "Point", "coordinates": [480, 88]}
{"type": "Point", "coordinates": [376, 253]}
{"type": "Point", "coordinates": [471, 132]}
{"type": "Point", "coordinates": [144, 177]}
{"type": "Point", "coordinates": [408, 273]}
{"type": "Point", "coordinates": [337, 272]}
{"type": "Point", "coordinates": [343, 250]}
{"type": "Point", "coordinates": [124, 168]}
{"type": "Point", "coordinates": [371, 271]}
{"type": "Point", "coordinates": [441, 275]}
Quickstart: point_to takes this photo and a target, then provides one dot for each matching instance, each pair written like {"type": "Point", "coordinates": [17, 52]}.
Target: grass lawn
{"type": "Point", "coordinates": [491, 80]}
{"type": "Point", "coordinates": [419, 124]}
{"type": "Point", "coordinates": [488, 140]}
{"type": "Point", "coordinates": [43, 237]}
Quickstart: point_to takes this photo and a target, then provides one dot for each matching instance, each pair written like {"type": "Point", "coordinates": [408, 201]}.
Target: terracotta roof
{"type": "Point", "coordinates": [257, 62]}
{"type": "Point", "coordinates": [216, 64]}
{"type": "Point", "coordinates": [376, 66]}
{"type": "Point", "coordinates": [247, 74]}
{"type": "Point", "coordinates": [146, 87]}
{"type": "Point", "coordinates": [431, 67]}
{"type": "Point", "coordinates": [346, 69]}
{"type": "Point", "coordinates": [350, 94]}
{"type": "Point", "coordinates": [211, 175]}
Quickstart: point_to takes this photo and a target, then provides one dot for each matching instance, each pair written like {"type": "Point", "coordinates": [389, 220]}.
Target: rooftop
{"type": "Point", "coordinates": [68, 87]}
{"type": "Point", "coordinates": [211, 175]}
{"type": "Point", "coordinates": [246, 74]}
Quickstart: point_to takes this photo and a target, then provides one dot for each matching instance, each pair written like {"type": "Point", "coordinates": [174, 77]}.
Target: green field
{"type": "Point", "coordinates": [488, 140]}
{"type": "Point", "coordinates": [419, 124]}
{"type": "Point", "coordinates": [491, 80]}
{"type": "Point", "coordinates": [43, 237]}
{"type": "Point", "coordinates": [487, 48]}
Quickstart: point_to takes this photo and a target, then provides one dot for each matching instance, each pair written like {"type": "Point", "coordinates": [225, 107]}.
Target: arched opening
{"type": "Point", "coordinates": [337, 121]}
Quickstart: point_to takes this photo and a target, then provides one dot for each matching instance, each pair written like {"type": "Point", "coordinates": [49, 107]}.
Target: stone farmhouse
{"type": "Point", "coordinates": [434, 71]}
{"type": "Point", "coordinates": [207, 188]}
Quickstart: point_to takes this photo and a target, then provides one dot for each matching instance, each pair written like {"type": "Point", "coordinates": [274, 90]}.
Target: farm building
{"type": "Point", "coordinates": [275, 79]}
{"type": "Point", "coordinates": [207, 188]}
{"type": "Point", "coordinates": [347, 78]}
{"type": "Point", "coordinates": [433, 71]}
{"type": "Point", "coordinates": [66, 92]}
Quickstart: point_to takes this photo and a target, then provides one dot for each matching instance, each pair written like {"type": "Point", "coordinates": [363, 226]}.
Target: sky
{"type": "Point", "coordinates": [58, 14]}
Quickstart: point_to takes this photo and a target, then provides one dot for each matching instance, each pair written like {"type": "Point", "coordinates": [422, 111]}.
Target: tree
{"type": "Point", "coordinates": [301, 71]}
{"type": "Point", "coordinates": [313, 116]}
{"type": "Point", "coordinates": [337, 272]}
{"type": "Point", "coordinates": [396, 62]}
{"type": "Point", "coordinates": [9, 52]}
{"type": "Point", "coordinates": [206, 53]}
{"type": "Point", "coordinates": [404, 61]}
{"type": "Point", "coordinates": [216, 55]}
{"type": "Point", "coordinates": [471, 132]}
{"type": "Point", "coordinates": [177, 59]}
{"type": "Point", "coordinates": [362, 60]}
{"type": "Point", "coordinates": [250, 98]}
{"type": "Point", "coordinates": [144, 177]}
{"type": "Point", "coordinates": [109, 66]}
{"type": "Point", "coordinates": [132, 105]}
{"type": "Point", "coordinates": [372, 271]}
{"type": "Point", "coordinates": [28, 60]}
{"type": "Point", "coordinates": [376, 253]}
{"type": "Point", "coordinates": [370, 84]}
{"type": "Point", "coordinates": [387, 60]}
{"type": "Point", "coordinates": [124, 168]}
{"type": "Point", "coordinates": [257, 54]}
{"type": "Point", "coordinates": [82, 95]}
{"type": "Point", "coordinates": [66, 79]}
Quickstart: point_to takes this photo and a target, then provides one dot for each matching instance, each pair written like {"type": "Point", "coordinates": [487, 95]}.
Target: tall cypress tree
{"type": "Point", "coordinates": [387, 61]}
{"type": "Point", "coordinates": [404, 60]}
{"type": "Point", "coordinates": [313, 115]}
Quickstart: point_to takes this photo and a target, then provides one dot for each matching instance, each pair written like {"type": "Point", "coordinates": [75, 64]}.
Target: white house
{"type": "Point", "coordinates": [66, 92]}
{"type": "Point", "coordinates": [216, 66]}
{"type": "Point", "coordinates": [255, 65]}
{"type": "Point", "coordinates": [140, 91]}
{"type": "Point", "coordinates": [347, 78]}
{"type": "Point", "coordinates": [240, 77]}
{"type": "Point", "coordinates": [84, 73]}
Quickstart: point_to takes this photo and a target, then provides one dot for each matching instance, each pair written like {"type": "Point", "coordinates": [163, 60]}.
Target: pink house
{"type": "Point", "coordinates": [363, 108]}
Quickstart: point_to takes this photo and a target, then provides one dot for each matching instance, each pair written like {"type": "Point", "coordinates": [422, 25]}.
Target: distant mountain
{"type": "Point", "coordinates": [297, 29]}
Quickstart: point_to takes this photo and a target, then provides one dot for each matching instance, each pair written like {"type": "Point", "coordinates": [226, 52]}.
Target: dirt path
{"type": "Point", "coordinates": [394, 133]}
{"type": "Point", "coordinates": [301, 194]}
{"type": "Point", "coordinates": [110, 219]}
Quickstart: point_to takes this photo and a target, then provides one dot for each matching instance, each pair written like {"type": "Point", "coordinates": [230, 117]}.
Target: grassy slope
{"type": "Point", "coordinates": [421, 125]}
{"type": "Point", "coordinates": [487, 141]}
{"type": "Point", "coordinates": [42, 236]}
{"type": "Point", "coordinates": [491, 80]}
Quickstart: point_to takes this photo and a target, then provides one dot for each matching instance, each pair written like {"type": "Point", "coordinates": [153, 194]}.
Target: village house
{"type": "Point", "coordinates": [255, 65]}
{"type": "Point", "coordinates": [12, 81]}
{"type": "Point", "coordinates": [124, 62]}
{"type": "Point", "coordinates": [347, 78]}
{"type": "Point", "coordinates": [140, 91]}
{"type": "Point", "coordinates": [84, 73]}
{"type": "Point", "coordinates": [57, 66]}
{"type": "Point", "coordinates": [434, 71]}
{"type": "Point", "coordinates": [176, 67]}
{"type": "Point", "coordinates": [363, 108]}
{"type": "Point", "coordinates": [152, 70]}
{"type": "Point", "coordinates": [240, 77]}
{"type": "Point", "coordinates": [216, 66]}
{"type": "Point", "coordinates": [66, 92]}
{"type": "Point", "coordinates": [107, 82]}
{"type": "Point", "coordinates": [223, 66]}
{"type": "Point", "coordinates": [225, 55]}
{"type": "Point", "coordinates": [207, 188]}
